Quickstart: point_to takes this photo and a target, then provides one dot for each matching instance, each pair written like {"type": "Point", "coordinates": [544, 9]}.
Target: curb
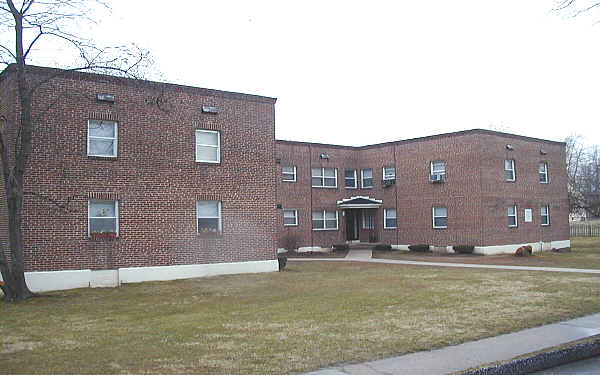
{"type": "Point", "coordinates": [541, 361]}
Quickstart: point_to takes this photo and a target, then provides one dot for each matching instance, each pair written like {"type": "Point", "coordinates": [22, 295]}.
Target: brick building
{"type": "Point", "coordinates": [493, 190]}
{"type": "Point", "coordinates": [133, 180]}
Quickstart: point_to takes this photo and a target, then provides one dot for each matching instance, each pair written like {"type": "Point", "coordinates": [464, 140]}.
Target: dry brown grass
{"type": "Point", "coordinates": [308, 317]}
{"type": "Point", "coordinates": [585, 254]}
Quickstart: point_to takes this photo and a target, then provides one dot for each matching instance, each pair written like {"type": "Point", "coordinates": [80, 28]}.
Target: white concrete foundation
{"type": "Point", "coordinates": [506, 249]}
{"type": "Point", "coordinates": [62, 280]}
{"type": "Point", "coordinates": [314, 249]}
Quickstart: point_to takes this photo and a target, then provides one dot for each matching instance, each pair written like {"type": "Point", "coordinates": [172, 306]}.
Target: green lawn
{"type": "Point", "coordinates": [585, 253]}
{"type": "Point", "coordinates": [312, 315]}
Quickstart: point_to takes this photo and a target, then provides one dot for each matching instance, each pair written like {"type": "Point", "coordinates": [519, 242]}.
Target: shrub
{"type": "Point", "coordinates": [383, 246]}
{"type": "Point", "coordinates": [524, 251]}
{"type": "Point", "coordinates": [340, 246]}
{"type": "Point", "coordinates": [464, 249]}
{"type": "Point", "coordinates": [282, 262]}
{"type": "Point", "coordinates": [419, 248]}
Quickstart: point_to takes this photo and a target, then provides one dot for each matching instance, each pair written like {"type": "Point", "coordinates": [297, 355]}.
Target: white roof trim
{"type": "Point", "coordinates": [375, 203]}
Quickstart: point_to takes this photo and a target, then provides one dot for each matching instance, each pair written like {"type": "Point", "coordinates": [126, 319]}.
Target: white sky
{"type": "Point", "coordinates": [355, 73]}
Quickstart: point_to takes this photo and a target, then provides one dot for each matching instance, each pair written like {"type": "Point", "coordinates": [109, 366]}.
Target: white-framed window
{"type": "Point", "coordinates": [389, 218]}
{"type": "Point", "coordinates": [289, 174]}
{"type": "Point", "coordinates": [103, 216]}
{"type": "Point", "coordinates": [543, 173]}
{"type": "Point", "coordinates": [545, 213]}
{"type": "Point", "coordinates": [512, 216]}
{"type": "Point", "coordinates": [208, 146]}
{"type": "Point", "coordinates": [325, 220]}
{"type": "Point", "coordinates": [324, 177]}
{"type": "Point", "coordinates": [366, 178]}
{"type": "Point", "coordinates": [102, 138]}
{"type": "Point", "coordinates": [290, 218]}
{"type": "Point", "coordinates": [389, 173]}
{"type": "Point", "coordinates": [509, 169]}
{"type": "Point", "coordinates": [440, 217]}
{"type": "Point", "coordinates": [438, 168]}
{"type": "Point", "coordinates": [208, 214]}
{"type": "Point", "coordinates": [350, 178]}
{"type": "Point", "coordinates": [368, 220]}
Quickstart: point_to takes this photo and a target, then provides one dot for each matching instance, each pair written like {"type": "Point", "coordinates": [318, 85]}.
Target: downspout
{"type": "Point", "coordinates": [396, 193]}
{"type": "Point", "coordinates": [312, 244]}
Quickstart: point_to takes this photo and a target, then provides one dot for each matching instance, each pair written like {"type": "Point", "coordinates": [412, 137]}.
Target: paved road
{"type": "Point", "coordinates": [586, 367]}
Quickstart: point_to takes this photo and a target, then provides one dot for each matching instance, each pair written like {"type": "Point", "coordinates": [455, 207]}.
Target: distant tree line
{"type": "Point", "coordinates": [583, 171]}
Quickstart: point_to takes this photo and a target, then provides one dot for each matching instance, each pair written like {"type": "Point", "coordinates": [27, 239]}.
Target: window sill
{"type": "Point", "coordinates": [208, 162]}
{"type": "Point", "coordinates": [351, 188]}
{"type": "Point", "coordinates": [103, 237]}
{"type": "Point", "coordinates": [440, 227]}
{"type": "Point", "coordinates": [322, 230]}
{"type": "Point", "coordinates": [325, 187]}
{"type": "Point", "coordinates": [290, 225]}
{"type": "Point", "coordinates": [367, 187]}
{"type": "Point", "coordinates": [102, 157]}
{"type": "Point", "coordinates": [288, 180]}
{"type": "Point", "coordinates": [209, 235]}
{"type": "Point", "coordinates": [390, 228]}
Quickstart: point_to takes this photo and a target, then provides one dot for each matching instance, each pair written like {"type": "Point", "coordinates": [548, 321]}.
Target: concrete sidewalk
{"type": "Point", "coordinates": [476, 353]}
{"type": "Point", "coordinates": [363, 258]}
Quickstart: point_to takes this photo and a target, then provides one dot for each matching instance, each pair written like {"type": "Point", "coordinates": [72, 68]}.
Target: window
{"type": "Point", "coordinates": [290, 218]}
{"type": "Point", "coordinates": [509, 169]}
{"type": "Point", "coordinates": [440, 217]}
{"type": "Point", "coordinates": [324, 177]}
{"type": "Point", "coordinates": [209, 216]}
{"type": "Point", "coordinates": [368, 220]}
{"type": "Point", "coordinates": [512, 216]}
{"type": "Point", "coordinates": [366, 176]}
{"type": "Point", "coordinates": [545, 212]}
{"type": "Point", "coordinates": [350, 178]}
{"type": "Point", "coordinates": [438, 168]}
{"type": "Point", "coordinates": [289, 174]}
{"type": "Point", "coordinates": [208, 146]}
{"type": "Point", "coordinates": [103, 216]}
{"type": "Point", "coordinates": [389, 218]}
{"type": "Point", "coordinates": [389, 173]}
{"type": "Point", "coordinates": [325, 220]}
{"type": "Point", "coordinates": [102, 138]}
{"type": "Point", "coordinates": [543, 173]}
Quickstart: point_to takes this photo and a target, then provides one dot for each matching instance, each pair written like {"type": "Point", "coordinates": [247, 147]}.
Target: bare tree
{"type": "Point", "coordinates": [576, 7]}
{"type": "Point", "coordinates": [583, 175]}
{"type": "Point", "coordinates": [28, 27]}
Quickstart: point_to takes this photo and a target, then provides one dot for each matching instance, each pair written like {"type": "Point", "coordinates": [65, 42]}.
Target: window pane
{"type": "Point", "coordinates": [511, 210]}
{"type": "Point", "coordinates": [441, 222]}
{"type": "Point", "coordinates": [318, 224]}
{"type": "Point", "coordinates": [350, 182]}
{"type": "Point", "coordinates": [330, 215]}
{"type": "Point", "coordinates": [289, 213]}
{"type": "Point", "coordinates": [289, 221]}
{"type": "Point", "coordinates": [331, 224]}
{"type": "Point", "coordinates": [512, 221]}
{"type": "Point", "coordinates": [316, 172]}
{"type": "Point", "coordinates": [349, 173]}
{"type": "Point", "coordinates": [439, 167]}
{"type": "Point", "coordinates": [102, 129]}
{"type": "Point", "coordinates": [317, 215]}
{"type": "Point", "coordinates": [390, 223]}
{"type": "Point", "coordinates": [329, 172]}
{"type": "Point", "coordinates": [367, 173]}
{"type": "Point", "coordinates": [544, 210]}
{"type": "Point", "coordinates": [206, 138]}
{"type": "Point", "coordinates": [208, 209]}
{"type": "Point", "coordinates": [206, 153]}
{"type": "Point", "coordinates": [288, 170]}
{"type": "Point", "coordinates": [102, 209]}
{"type": "Point", "coordinates": [103, 225]}
{"type": "Point", "coordinates": [101, 147]}
{"type": "Point", "coordinates": [208, 225]}
{"type": "Point", "coordinates": [390, 214]}
{"type": "Point", "coordinates": [329, 181]}
{"type": "Point", "coordinates": [440, 211]}
{"type": "Point", "coordinates": [317, 181]}
{"type": "Point", "coordinates": [389, 173]}
{"type": "Point", "coordinates": [508, 164]}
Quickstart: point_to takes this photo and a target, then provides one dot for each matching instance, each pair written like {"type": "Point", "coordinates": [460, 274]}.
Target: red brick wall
{"type": "Point", "coordinates": [155, 177]}
{"type": "Point", "coordinates": [474, 192]}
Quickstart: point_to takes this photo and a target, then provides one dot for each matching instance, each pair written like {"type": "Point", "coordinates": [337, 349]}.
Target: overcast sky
{"type": "Point", "coordinates": [356, 73]}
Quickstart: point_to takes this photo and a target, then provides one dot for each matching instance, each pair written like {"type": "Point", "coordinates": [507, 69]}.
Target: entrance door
{"type": "Point", "coordinates": [352, 224]}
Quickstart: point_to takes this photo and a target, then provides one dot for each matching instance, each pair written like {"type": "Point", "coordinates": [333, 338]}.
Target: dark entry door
{"type": "Point", "coordinates": [351, 225]}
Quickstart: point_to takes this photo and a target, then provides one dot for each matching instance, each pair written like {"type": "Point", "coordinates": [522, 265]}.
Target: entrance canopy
{"type": "Point", "coordinates": [359, 202]}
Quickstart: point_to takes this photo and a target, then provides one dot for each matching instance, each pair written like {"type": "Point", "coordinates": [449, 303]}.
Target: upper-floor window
{"type": "Point", "coordinates": [289, 174]}
{"type": "Point", "coordinates": [208, 214]}
{"type": "Point", "coordinates": [509, 169]}
{"type": "Point", "coordinates": [103, 216]}
{"type": "Point", "coordinates": [389, 218]}
{"type": "Point", "coordinates": [438, 168]}
{"type": "Point", "coordinates": [208, 146]}
{"type": "Point", "coordinates": [102, 138]}
{"type": "Point", "coordinates": [290, 218]}
{"type": "Point", "coordinates": [512, 216]}
{"type": "Point", "coordinates": [368, 220]}
{"type": "Point", "coordinates": [350, 178]}
{"type": "Point", "coordinates": [366, 177]}
{"type": "Point", "coordinates": [324, 177]}
{"type": "Point", "coordinates": [543, 173]}
{"type": "Point", "coordinates": [440, 217]}
{"type": "Point", "coordinates": [545, 213]}
{"type": "Point", "coordinates": [325, 220]}
{"type": "Point", "coordinates": [389, 173]}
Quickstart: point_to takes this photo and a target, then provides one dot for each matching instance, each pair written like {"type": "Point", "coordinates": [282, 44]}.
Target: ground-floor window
{"type": "Point", "coordinates": [290, 218]}
{"type": "Point", "coordinates": [512, 216]}
{"type": "Point", "coordinates": [209, 216]}
{"type": "Point", "coordinates": [440, 217]}
{"type": "Point", "coordinates": [389, 218]}
{"type": "Point", "coordinates": [103, 216]}
{"type": "Point", "coordinates": [325, 220]}
{"type": "Point", "coordinates": [368, 220]}
{"type": "Point", "coordinates": [545, 212]}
